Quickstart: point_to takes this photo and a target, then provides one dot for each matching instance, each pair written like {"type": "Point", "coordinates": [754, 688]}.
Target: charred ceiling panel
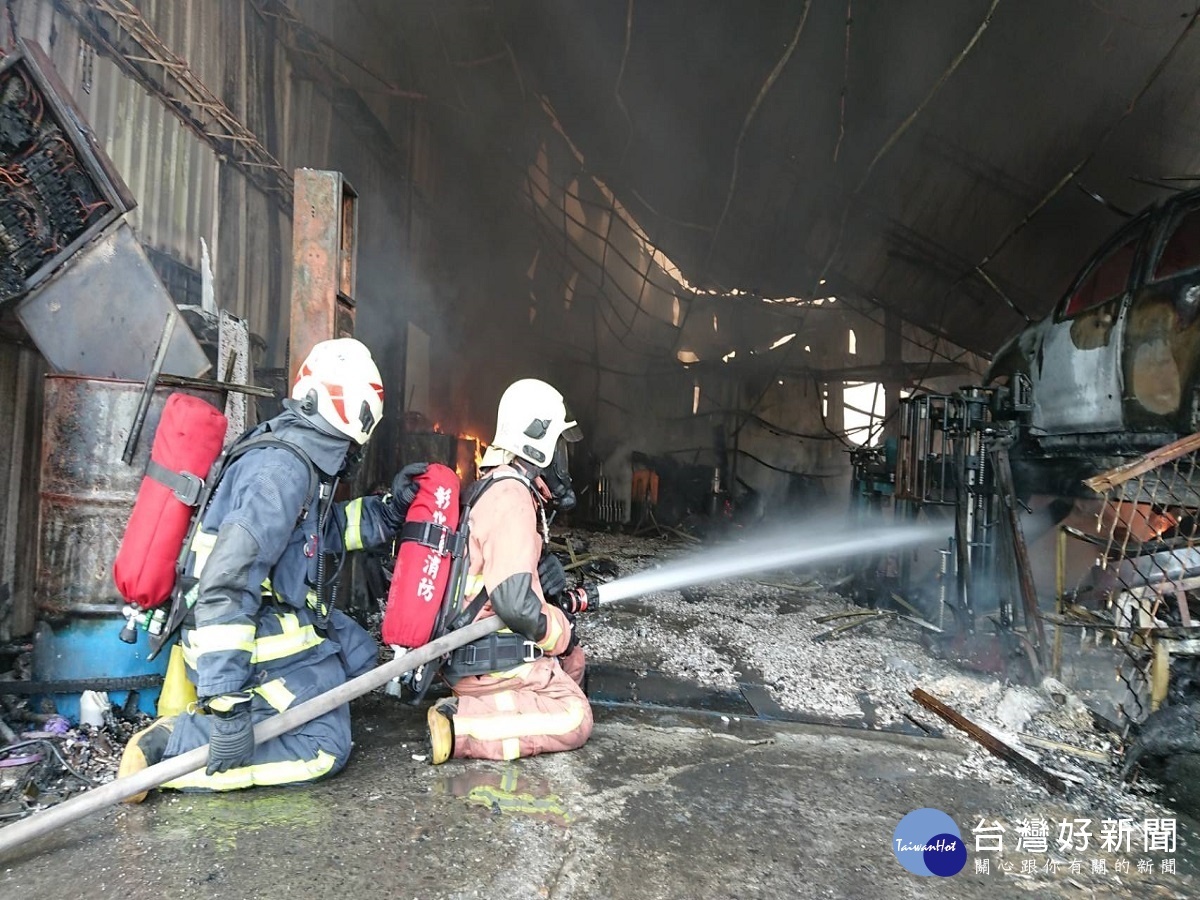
{"type": "Point", "coordinates": [891, 155]}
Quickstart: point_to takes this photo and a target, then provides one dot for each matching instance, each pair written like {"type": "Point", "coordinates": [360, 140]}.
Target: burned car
{"type": "Point", "coordinates": [1115, 370]}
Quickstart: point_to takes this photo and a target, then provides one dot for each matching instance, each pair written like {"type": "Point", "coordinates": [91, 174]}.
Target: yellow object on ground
{"type": "Point", "coordinates": [177, 691]}
{"type": "Point", "coordinates": [441, 731]}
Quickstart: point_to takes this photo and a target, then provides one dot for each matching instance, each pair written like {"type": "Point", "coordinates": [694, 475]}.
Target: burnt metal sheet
{"type": "Point", "coordinates": [1165, 566]}
{"type": "Point", "coordinates": [86, 491]}
{"type": "Point", "coordinates": [102, 315]}
{"type": "Point", "coordinates": [52, 117]}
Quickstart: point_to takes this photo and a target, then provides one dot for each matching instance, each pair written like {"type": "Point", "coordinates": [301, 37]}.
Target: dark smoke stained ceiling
{"type": "Point", "coordinates": [765, 146]}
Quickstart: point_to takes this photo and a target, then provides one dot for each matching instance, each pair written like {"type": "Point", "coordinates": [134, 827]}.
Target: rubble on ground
{"type": "Point", "coordinates": [52, 760]}
{"type": "Point", "coordinates": [763, 630]}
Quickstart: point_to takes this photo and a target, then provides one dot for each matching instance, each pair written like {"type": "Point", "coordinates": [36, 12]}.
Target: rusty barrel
{"type": "Point", "coordinates": [86, 495]}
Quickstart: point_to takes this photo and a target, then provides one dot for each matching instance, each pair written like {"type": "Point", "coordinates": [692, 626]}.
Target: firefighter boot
{"type": "Point", "coordinates": [144, 749]}
{"type": "Point", "coordinates": [441, 728]}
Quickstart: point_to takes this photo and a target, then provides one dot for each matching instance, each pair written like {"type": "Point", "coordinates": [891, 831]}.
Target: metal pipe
{"type": "Point", "coordinates": [20, 833]}
{"type": "Point", "coordinates": [943, 579]}
{"type": "Point", "coordinates": [1060, 588]}
{"type": "Point", "coordinates": [160, 357]}
{"type": "Point", "coordinates": [1029, 598]}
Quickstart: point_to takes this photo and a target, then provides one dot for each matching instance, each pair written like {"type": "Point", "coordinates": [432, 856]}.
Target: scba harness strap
{"type": "Point", "coordinates": [184, 596]}
{"type": "Point", "coordinates": [436, 537]}
{"type": "Point", "coordinates": [490, 654]}
{"type": "Point", "coordinates": [493, 653]}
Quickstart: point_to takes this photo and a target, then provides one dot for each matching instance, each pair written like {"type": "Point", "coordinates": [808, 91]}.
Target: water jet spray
{"type": "Point", "coordinates": [763, 556]}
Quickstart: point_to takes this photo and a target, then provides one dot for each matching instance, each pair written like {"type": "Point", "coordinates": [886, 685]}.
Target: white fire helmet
{"type": "Point", "coordinates": [340, 383]}
{"type": "Point", "coordinates": [529, 421]}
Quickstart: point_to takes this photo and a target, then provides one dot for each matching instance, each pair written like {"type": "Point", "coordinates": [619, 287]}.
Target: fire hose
{"type": "Point", "coordinates": [790, 550]}
{"type": "Point", "coordinates": [20, 833]}
{"type": "Point", "coordinates": [42, 823]}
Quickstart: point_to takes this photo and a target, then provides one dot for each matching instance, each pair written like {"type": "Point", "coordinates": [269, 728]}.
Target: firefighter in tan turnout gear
{"type": "Point", "coordinates": [516, 692]}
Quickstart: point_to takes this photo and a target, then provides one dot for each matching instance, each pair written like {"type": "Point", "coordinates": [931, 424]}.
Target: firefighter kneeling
{"type": "Point", "coordinates": [263, 635]}
{"type": "Point", "coordinates": [517, 692]}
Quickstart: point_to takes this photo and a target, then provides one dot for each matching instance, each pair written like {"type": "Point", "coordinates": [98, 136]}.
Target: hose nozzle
{"type": "Point", "coordinates": [580, 599]}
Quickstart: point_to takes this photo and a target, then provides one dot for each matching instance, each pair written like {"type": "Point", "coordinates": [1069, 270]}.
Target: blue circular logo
{"type": "Point", "coordinates": [927, 842]}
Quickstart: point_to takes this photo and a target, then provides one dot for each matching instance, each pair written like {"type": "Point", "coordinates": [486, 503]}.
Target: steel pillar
{"type": "Point", "coordinates": [324, 261]}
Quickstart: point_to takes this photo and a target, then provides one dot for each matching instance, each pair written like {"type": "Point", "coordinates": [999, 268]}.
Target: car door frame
{"type": "Point", "coordinates": [1085, 385]}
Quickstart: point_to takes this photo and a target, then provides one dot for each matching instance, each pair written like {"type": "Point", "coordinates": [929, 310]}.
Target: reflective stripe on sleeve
{"type": "Point", "coordinates": [202, 546]}
{"type": "Point", "coordinates": [227, 702]}
{"type": "Point", "coordinates": [352, 540]}
{"type": "Point", "coordinates": [222, 638]}
{"type": "Point", "coordinates": [553, 633]}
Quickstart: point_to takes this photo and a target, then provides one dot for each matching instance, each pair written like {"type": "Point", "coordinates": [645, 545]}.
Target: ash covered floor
{"type": "Point", "coordinates": [711, 802]}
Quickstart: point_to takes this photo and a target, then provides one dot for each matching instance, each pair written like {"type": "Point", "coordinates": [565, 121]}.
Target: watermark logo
{"type": "Point", "coordinates": [927, 842]}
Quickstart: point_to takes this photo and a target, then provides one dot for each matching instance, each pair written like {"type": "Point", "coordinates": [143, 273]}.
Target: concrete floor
{"type": "Point", "coordinates": [657, 805]}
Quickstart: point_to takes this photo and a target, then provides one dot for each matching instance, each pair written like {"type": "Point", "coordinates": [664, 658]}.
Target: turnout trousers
{"type": "Point", "coordinates": [315, 750]}
{"type": "Point", "coordinates": [537, 707]}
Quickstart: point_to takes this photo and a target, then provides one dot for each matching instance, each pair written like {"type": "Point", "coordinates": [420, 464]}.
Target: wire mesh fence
{"type": "Point", "coordinates": [1148, 536]}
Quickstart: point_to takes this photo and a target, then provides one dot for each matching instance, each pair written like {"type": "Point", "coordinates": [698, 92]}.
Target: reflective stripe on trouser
{"type": "Point", "coordinates": [535, 708]}
{"type": "Point", "coordinates": [314, 750]}
{"type": "Point", "coordinates": [278, 636]}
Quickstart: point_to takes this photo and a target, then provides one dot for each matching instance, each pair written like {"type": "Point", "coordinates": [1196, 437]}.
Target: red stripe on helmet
{"type": "Point", "coordinates": [339, 403]}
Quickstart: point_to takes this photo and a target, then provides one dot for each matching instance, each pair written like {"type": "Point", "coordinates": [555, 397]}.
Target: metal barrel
{"type": "Point", "coordinates": [85, 498]}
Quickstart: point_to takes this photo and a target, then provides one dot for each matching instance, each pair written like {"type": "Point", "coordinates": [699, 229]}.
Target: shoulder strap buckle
{"type": "Point", "coordinates": [187, 487]}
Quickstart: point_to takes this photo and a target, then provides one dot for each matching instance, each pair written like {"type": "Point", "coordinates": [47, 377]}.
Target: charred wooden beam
{"type": "Point", "coordinates": [1082, 752]}
{"type": "Point", "coordinates": [1106, 481]}
{"type": "Point", "coordinates": [1029, 599]}
{"type": "Point", "coordinates": [991, 743]}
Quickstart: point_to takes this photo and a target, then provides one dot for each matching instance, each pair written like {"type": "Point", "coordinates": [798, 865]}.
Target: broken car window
{"type": "Point", "coordinates": [1181, 252]}
{"type": "Point", "coordinates": [1107, 280]}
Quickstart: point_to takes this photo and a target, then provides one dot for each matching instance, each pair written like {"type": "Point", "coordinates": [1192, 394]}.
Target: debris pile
{"type": "Point", "coordinates": [46, 766]}
{"type": "Point", "coordinates": [775, 631]}
{"type": "Point", "coordinates": [44, 759]}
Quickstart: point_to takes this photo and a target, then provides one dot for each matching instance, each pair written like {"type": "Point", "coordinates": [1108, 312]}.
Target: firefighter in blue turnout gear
{"type": "Point", "coordinates": [263, 634]}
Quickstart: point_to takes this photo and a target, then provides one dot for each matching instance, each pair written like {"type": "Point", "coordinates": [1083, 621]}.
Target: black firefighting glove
{"type": "Point", "coordinates": [404, 491]}
{"type": "Point", "coordinates": [231, 741]}
{"type": "Point", "coordinates": [574, 641]}
{"type": "Point", "coordinates": [551, 575]}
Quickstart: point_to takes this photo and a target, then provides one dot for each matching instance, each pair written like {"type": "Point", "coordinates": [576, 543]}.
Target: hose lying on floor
{"type": "Point", "coordinates": [20, 833]}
